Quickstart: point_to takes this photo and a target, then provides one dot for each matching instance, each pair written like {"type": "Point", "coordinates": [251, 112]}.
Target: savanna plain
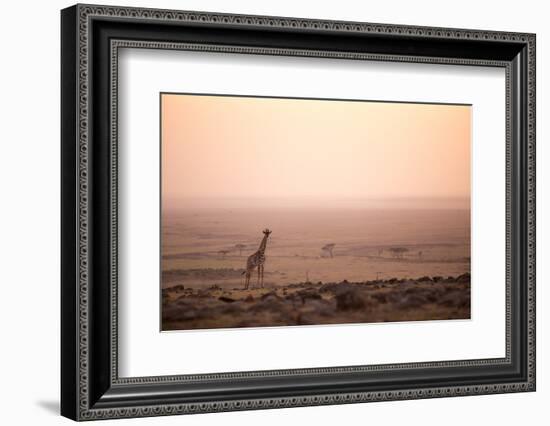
{"type": "Point", "coordinates": [323, 265]}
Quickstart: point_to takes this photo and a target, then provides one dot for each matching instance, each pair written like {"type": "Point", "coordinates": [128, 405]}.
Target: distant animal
{"type": "Point", "coordinates": [398, 252]}
{"type": "Point", "coordinates": [328, 249]}
{"type": "Point", "coordinates": [223, 252]}
{"type": "Point", "coordinates": [257, 261]}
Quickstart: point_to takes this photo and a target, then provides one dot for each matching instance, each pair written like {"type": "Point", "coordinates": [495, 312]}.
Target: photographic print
{"type": "Point", "coordinates": [219, 185]}
{"type": "Point", "coordinates": [294, 211]}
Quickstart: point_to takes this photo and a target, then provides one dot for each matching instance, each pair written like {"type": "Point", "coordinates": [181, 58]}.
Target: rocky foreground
{"type": "Point", "coordinates": [426, 298]}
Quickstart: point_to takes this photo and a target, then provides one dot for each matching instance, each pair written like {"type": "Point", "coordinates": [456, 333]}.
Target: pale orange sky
{"type": "Point", "coordinates": [256, 148]}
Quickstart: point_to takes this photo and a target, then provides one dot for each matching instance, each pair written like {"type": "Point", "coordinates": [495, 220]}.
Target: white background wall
{"type": "Point", "coordinates": [29, 212]}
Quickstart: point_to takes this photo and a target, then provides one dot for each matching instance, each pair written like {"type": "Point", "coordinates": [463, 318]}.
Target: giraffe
{"type": "Point", "coordinates": [257, 260]}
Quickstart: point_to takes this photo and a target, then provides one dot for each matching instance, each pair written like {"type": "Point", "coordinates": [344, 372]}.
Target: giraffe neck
{"type": "Point", "coordinates": [263, 244]}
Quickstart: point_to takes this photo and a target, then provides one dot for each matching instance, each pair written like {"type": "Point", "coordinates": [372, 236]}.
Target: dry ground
{"type": "Point", "coordinates": [426, 298]}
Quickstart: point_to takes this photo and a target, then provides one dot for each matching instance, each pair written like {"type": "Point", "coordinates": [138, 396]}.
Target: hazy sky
{"type": "Point", "coordinates": [257, 148]}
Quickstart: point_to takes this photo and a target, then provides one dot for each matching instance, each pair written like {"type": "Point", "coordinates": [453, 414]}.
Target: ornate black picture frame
{"type": "Point", "coordinates": [91, 387]}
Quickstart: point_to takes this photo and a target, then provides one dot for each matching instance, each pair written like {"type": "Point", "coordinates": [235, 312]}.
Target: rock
{"type": "Point", "coordinates": [177, 288]}
{"type": "Point", "coordinates": [456, 299]}
{"type": "Point", "coordinates": [464, 278]}
{"type": "Point", "coordinates": [349, 299]}
{"type": "Point", "coordinates": [226, 299]}
{"type": "Point", "coordinates": [228, 308]}
{"type": "Point", "coordinates": [412, 301]}
{"type": "Point", "coordinates": [425, 278]}
{"type": "Point", "coordinates": [436, 279]}
{"type": "Point", "coordinates": [271, 296]}
{"type": "Point", "coordinates": [380, 297]}
{"type": "Point", "coordinates": [321, 307]}
{"type": "Point", "coordinates": [203, 293]}
{"type": "Point", "coordinates": [270, 304]}
{"type": "Point", "coordinates": [329, 287]}
{"type": "Point", "coordinates": [308, 294]}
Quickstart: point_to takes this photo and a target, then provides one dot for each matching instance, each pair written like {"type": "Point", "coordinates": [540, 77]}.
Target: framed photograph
{"type": "Point", "coordinates": [263, 212]}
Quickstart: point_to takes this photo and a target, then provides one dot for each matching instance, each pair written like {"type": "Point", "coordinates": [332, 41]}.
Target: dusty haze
{"type": "Point", "coordinates": [235, 147]}
{"type": "Point", "coordinates": [387, 184]}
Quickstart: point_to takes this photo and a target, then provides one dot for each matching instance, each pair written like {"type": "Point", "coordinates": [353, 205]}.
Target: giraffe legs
{"type": "Point", "coordinates": [262, 276]}
{"type": "Point", "coordinates": [260, 279]}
